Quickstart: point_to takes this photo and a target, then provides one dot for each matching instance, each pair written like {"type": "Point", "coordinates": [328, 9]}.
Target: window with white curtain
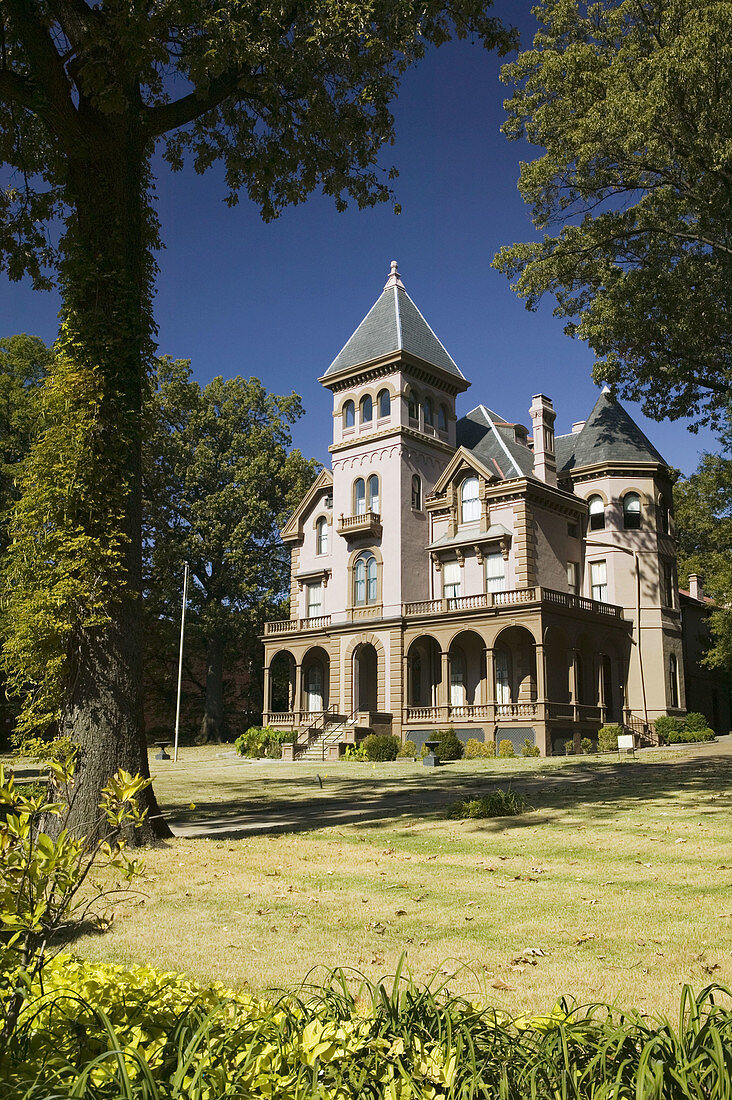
{"type": "Point", "coordinates": [495, 572]}
{"type": "Point", "coordinates": [373, 493]}
{"type": "Point", "coordinates": [365, 575]}
{"type": "Point", "coordinates": [315, 599]}
{"type": "Point", "coordinates": [321, 529]}
{"type": "Point", "coordinates": [451, 575]}
{"type": "Point", "coordinates": [598, 580]}
{"type": "Point", "coordinates": [359, 496]}
{"type": "Point", "coordinates": [470, 500]}
{"type": "Point", "coordinates": [573, 577]}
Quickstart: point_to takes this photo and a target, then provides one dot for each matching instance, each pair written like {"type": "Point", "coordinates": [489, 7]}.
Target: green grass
{"type": "Point", "coordinates": [616, 884]}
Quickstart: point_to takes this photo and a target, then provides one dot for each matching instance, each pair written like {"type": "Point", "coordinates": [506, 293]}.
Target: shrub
{"type": "Point", "coordinates": [408, 750]}
{"type": "Point", "coordinates": [262, 741]}
{"type": "Point", "coordinates": [506, 748]}
{"type": "Point", "coordinates": [475, 749]}
{"type": "Point", "coordinates": [497, 804]}
{"type": "Point", "coordinates": [694, 720]}
{"type": "Point", "coordinates": [688, 737]}
{"type": "Point", "coordinates": [355, 752]}
{"type": "Point", "coordinates": [587, 746]}
{"type": "Point", "coordinates": [381, 746]}
{"type": "Point", "coordinates": [608, 738]}
{"type": "Point", "coordinates": [529, 749]}
{"type": "Point", "coordinates": [450, 746]}
{"type": "Point", "coordinates": [666, 725]}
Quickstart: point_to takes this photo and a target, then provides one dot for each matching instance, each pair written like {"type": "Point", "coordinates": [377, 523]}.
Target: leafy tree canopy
{"type": "Point", "coordinates": [631, 101]}
{"type": "Point", "coordinates": [703, 506]}
{"type": "Point", "coordinates": [24, 361]}
{"type": "Point", "coordinates": [219, 478]}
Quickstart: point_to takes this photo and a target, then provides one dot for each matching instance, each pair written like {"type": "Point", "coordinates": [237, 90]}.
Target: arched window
{"type": "Point", "coordinates": [503, 681]}
{"type": "Point", "coordinates": [417, 492]}
{"type": "Point", "coordinates": [364, 575]}
{"type": "Point", "coordinates": [373, 493]}
{"type": "Point", "coordinates": [359, 496]}
{"type": "Point", "coordinates": [663, 511]}
{"type": "Point", "coordinates": [349, 414]}
{"type": "Point", "coordinates": [442, 419]}
{"type": "Point", "coordinates": [413, 408]}
{"type": "Point", "coordinates": [321, 531]}
{"type": "Point", "coordinates": [429, 413]}
{"type": "Point", "coordinates": [597, 513]}
{"type": "Point", "coordinates": [367, 409]}
{"type": "Point", "coordinates": [457, 677]}
{"type": "Point", "coordinates": [631, 511]}
{"type": "Point", "coordinates": [674, 679]}
{"type": "Point", "coordinates": [470, 500]}
{"type": "Point", "coordinates": [384, 403]}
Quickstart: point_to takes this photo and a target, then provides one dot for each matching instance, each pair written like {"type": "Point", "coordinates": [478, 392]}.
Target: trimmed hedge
{"type": "Point", "coordinates": [381, 746]}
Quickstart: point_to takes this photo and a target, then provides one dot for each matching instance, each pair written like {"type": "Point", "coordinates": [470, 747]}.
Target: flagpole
{"type": "Point", "coordinates": [180, 660]}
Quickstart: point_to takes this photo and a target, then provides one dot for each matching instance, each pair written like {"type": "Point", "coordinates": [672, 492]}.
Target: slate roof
{"type": "Point", "coordinates": [491, 439]}
{"type": "Point", "coordinates": [609, 435]}
{"type": "Point", "coordinates": [393, 324]}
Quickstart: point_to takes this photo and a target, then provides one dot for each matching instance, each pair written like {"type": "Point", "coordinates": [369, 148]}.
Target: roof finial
{"type": "Point", "coordinates": [394, 279]}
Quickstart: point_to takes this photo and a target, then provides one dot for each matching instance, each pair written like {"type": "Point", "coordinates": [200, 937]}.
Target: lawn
{"type": "Point", "coordinates": [615, 885]}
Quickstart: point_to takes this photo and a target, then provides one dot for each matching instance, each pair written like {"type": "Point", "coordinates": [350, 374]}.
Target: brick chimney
{"type": "Point", "coordinates": [543, 417]}
{"type": "Point", "coordinates": [696, 590]}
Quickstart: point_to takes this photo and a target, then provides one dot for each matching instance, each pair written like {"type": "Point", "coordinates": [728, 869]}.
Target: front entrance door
{"type": "Point", "coordinates": [365, 678]}
{"type": "Point", "coordinates": [314, 688]}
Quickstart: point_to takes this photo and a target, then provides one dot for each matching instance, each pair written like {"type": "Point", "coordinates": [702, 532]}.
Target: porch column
{"type": "Point", "coordinates": [443, 699]}
{"type": "Point", "coordinates": [297, 698]}
{"type": "Point", "coordinates": [266, 690]}
{"type": "Point", "coordinates": [490, 683]}
{"type": "Point", "coordinates": [406, 686]}
{"type": "Point", "coordinates": [602, 701]}
{"type": "Point", "coordinates": [540, 658]}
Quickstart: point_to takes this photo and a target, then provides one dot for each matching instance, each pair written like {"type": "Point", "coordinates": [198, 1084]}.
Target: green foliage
{"type": "Point", "coordinates": [703, 513]}
{"type": "Point", "coordinates": [498, 803]}
{"type": "Point", "coordinates": [24, 361]}
{"type": "Point", "coordinates": [46, 892]}
{"type": "Point", "coordinates": [607, 738]}
{"type": "Point", "coordinates": [63, 576]}
{"type": "Point", "coordinates": [220, 478]}
{"type": "Point", "coordinates": [629, 102]}
{"type": "Point", "coordinates": [682, 731]}
{"type": "Point", "coordinates": [695, 720]}
{"type": "Point", "coordinates": [689, 737]}
{"type": "Point", "coordinates": [505, 748]}
{"type": "Point", "coordinates": [260, 741]}
{"type": "Point", "coordinates": [475, 749]}
{"type": "Point", "coordinates": [355, 753]}
{"type": "Point", "coordinates": [381, 746]}
{"type": "Point", "coordinates": [408, 750]}
{"type": "Point", "coordinates": [530, 749]}
{"type": "Point", "coordinates": [450, 746]}
{"type": "Point", "coordinates": [109, 1032]}
{"type": "Point", "coordinates": [587, 746]}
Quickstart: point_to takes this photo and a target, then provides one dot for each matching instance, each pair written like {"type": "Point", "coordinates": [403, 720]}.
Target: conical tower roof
{"type": "Point", "coordinates": [393, 325]}
{"type": "Point", "coordinates": [609, 435]}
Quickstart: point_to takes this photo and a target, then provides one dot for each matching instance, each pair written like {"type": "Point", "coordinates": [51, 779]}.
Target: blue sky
{"type": "Point", "coordinates": [278, 301]}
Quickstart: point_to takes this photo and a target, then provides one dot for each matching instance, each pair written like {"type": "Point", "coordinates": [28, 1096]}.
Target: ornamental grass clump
{"type": "Point", "coordinates": [498, 803]}
{"type": "Point", "coordinates": [105, 1032]}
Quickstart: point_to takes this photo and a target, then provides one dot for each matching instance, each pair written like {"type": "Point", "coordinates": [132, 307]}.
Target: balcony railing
{"type": "Point", "coordinates": [365, 523]}
{"type": "Point", "coordinates": [289, 626]}
{"type": "Point", "coordinates": [479, 712]}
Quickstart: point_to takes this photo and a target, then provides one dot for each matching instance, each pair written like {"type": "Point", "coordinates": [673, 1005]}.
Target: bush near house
{"type": "Point", "coordinates": [262, 741]}
{"type": "Point", "coordinates": [450, 746]}
{"type": "Point", "coordinates": [607, 738]}
{"type": "Point", "coordinates": [381, 746]}
{"type": "Point", "coordinates": [475, 749]}
{"type": "Point", "coordinates": [530, 749]}
{"type": "Point", "coordinates": [683, 731]}
{"type": "Point", "coordinates": [506, 748]}
{"type": "Point", "coordinates": [408, 750]}
{"type": "Point", "coordinates": [587, 746]}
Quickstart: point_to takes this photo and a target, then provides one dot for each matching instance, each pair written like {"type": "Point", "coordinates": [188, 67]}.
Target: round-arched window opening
{"type": "Point", "coordinates": [367, 409]}
{"type": "Point", "coordinates": [470, 500]}
{"type": "Point", "coordinates": [429, 413]}
{"type": "Point", "coordinates": [384, 403]}
{"type": "Point", "coordinates": [321, 530]}
{"type": "Point", "coordinates": [359, 496]}
{"type": "Point", "coordinates": [364, 579]}
{"type": "Point", "coordinates": [349, 414]}
{"type": "Point", "coordinates": [597, 513]}
{"type": "Point", "coordinates": [631, 512]}
{"type": "Point", "coordinates": [413, 408]}
{"type": "Point", "coordinates": [442, 419]}
{"type": "Point", "coordinates": [373, 493]}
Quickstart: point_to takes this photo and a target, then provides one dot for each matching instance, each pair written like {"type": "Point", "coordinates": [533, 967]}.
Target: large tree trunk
{"type": "Point", "coordinates": [107, 277]}
{"type": "Point", "coordinates": [212, 725]}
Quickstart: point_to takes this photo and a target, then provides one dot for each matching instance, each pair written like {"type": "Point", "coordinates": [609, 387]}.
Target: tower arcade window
{"type": "Point", "coordinates": [364, 580]}
{"type": "Point", "coordinates": [631, 512]}
{"type": "Point", "coordinates": [442, 419]}
{"type": "Point", "coordinates": [349, 414]}
{"type": "Point", "coordinates": [383, 402]}
{"type": "Point", "coordinates": [367, 409]}
{"type": "Point", "coordinates": [417, 492]}
{"type": "Point", "coordinates": [413, 408]}
{"type": "Point", "coordinates": [470, 500]}
{"type": "Point", "coordinates": [429, 413]}
{"type": "Point", "coordinates": [597, 513]}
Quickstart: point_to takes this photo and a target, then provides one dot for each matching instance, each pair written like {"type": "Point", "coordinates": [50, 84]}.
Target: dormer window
{"type": "Point", "coordinates": [349, 415]}
{"type": "Point", "coordinates": [470, 500]}
{"type": "Point", "coordinates": [597, 513]}
{"type": "Point", "coordinates": [367, 410]}
{"type": "Point", "coordinates": [384, 403]}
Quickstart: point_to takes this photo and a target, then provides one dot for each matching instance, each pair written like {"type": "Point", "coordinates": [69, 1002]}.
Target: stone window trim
{"type": "Point", "coordinates": [473, 501]}
{"type": "Point", "coordinates": [352, 560]}
{"type": "Point", "coordinates": [321, 524]}
{"type": "Point", "coordinates": [313, 576]}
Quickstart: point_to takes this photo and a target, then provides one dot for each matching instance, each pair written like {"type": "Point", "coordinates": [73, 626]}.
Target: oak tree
{"type": "Point", "coordinates": [219, 477]}
{"type": "Point", "coordinates": [630, 100]}
{"type": "Point", "coordinates": [289, 97]}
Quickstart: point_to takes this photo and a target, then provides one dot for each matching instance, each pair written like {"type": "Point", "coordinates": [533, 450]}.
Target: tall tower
{"type": "Point", "coordinates": [394, 387]}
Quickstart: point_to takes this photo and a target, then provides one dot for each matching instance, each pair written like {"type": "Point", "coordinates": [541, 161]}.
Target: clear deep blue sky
{"type": "Point", "coordinates": [278, 301]}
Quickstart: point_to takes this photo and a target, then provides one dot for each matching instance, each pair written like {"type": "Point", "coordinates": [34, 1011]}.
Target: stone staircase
{"type": "Point", "coordinates": [335, 730]}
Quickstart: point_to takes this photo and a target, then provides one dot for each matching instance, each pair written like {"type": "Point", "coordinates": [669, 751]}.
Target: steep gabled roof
{"type": "Point", "coordinates": [492, 440]}
{"type": "Point", "coordinates": [392, 325]}
{"type": "Point", "coordinates": [293, 528]}
{"type": "Point", "coordinates": [609, 435]}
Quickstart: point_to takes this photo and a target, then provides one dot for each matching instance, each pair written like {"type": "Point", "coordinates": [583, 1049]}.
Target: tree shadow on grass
{"type": "Point", "coordinates": [594, 789]}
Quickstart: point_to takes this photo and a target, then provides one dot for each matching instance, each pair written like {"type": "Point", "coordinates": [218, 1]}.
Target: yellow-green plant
{"type": "Point", "coordinates": [505, 748]}
{"type": "Point", "coordinates": [46, 886]}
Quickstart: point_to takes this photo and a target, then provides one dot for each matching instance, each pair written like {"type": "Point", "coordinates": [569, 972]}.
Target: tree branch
{"type": "Point", "coordinates": [58, 111]}
{"type": "Point", "coordinates": [169, 116]}
{"type": "Point", "coordinates": [15, 88]}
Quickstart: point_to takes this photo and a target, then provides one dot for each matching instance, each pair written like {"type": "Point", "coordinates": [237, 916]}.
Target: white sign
{"type": "Point", "coordinates": [626, 741]}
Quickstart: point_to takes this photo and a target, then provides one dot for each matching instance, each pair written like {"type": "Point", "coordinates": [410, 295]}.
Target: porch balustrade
{"type": "Point", "coordinates": [485, 712]}
{"type": "Point", "coordinates": [288, 626]}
